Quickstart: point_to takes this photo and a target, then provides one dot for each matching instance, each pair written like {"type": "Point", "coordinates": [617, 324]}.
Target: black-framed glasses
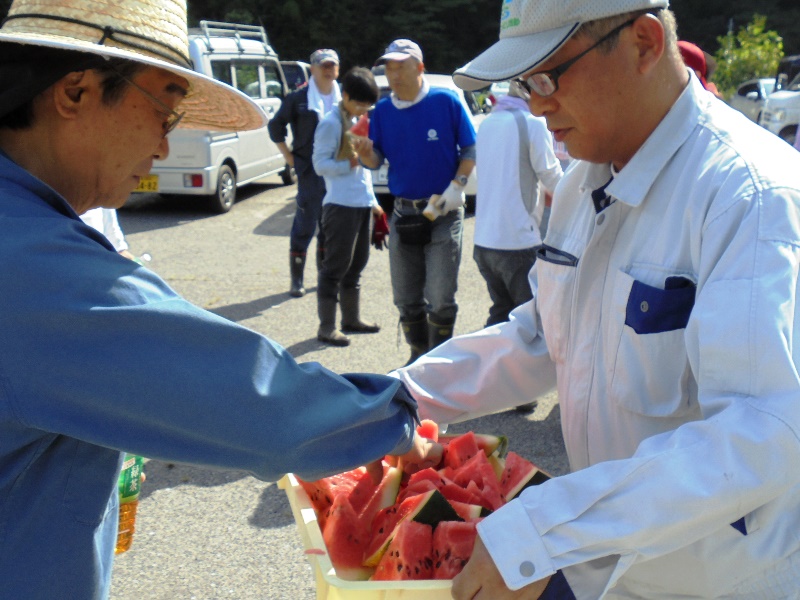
{"type": "Point", "coordinates": [172, 117]}
{"type": "Point", "coordinates": [545, 83]}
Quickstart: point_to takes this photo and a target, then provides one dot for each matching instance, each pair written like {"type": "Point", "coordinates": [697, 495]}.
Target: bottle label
{"type": "Point", "coordinates": [130, 478]}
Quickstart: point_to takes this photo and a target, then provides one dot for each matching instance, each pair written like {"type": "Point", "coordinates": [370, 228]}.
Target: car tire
{"type": "Point", "coordinates": [225, 197]}
{"type": "Point", "coordinates": [288, 175]}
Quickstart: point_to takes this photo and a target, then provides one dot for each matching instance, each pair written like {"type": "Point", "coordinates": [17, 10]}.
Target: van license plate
{"type": "Point", "coordinates": [148, 183]}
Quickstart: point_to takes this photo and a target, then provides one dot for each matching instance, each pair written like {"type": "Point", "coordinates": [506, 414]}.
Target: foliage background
{"type": "Point", "coordinates": [452, 31]}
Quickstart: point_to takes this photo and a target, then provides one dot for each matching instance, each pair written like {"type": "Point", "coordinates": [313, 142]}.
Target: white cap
{"type": "Point", "coordinates": [533, 30]}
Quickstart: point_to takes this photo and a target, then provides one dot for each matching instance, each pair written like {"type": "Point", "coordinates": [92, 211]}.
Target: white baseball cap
{"type": "Point", "coordinates": [533, 30]}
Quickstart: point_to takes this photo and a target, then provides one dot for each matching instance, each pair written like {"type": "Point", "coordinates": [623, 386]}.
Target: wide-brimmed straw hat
{"type": "Point", "coordinates": [533, 30]}
{"type": "Point", "coordinates": [152, 32]}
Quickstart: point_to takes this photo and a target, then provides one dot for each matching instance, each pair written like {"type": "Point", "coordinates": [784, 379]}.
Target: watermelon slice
{"type": "Point", "coordinates": [384, 496]}
{"type": "Point", "coordinates": [361, 128]}
{"type": "Point", "coordinates": [346, 538]}
{"type": "Point", "coordinates": [452, 547]}
{"type": "Point", "coordinates": [459, 450]}
{"type": "Point", "coordinates": [490, 444]}
{"type": "Point", "coordinates": [430, 508]}
{"type": "Point", "coordinates": [409, 555]}
{"type": "Point", "coordinates": [518, 474]}
{"type": "Point", "coordinates": [428, 429]}
{"type": "Point", "coordinates": [468, 512]}
{"type": "Point", "coordinates": [456, 493]}
{"type": "Point", "coordinates": [478, 470]}
{"type": "Point", "coordinates": [322, 492]}
{"type": "Point", "coordinates": [421, 482]}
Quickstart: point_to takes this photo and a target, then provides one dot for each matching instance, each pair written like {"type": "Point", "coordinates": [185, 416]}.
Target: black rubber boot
{"type": "Point", "coordinates": [297, 264]}
{"type": "Point", "coordinates": [326, 307]}
{"type": "Point", "coordinates": [438, 333]}
{"type": "Point", "coordinates": [416, 333]}
{"type": "Point", "coordinates": [350, 301]}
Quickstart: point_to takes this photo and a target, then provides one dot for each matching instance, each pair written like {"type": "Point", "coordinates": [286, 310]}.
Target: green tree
{"type": "Point", "coordinates": [752, 52]}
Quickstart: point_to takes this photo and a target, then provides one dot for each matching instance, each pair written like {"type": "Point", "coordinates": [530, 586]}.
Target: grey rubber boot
{"type": "Point", "coordinates": [297, 264]}
{"type": "Point", "coordinates": [350, 301]}
{"type": "Point", "coordinates": [326, 307]}
{"type": "Point", "coordinates": [438, 333]}
{"type": "Point", "coordinates": [416, 333]}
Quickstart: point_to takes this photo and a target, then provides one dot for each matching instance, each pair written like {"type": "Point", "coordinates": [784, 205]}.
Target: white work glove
{"type": "Point", "coordinates": [451, 199]}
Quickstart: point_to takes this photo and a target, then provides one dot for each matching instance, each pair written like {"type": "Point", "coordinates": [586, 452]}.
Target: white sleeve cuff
{"type": "Point", "coordinates": [515, 546]}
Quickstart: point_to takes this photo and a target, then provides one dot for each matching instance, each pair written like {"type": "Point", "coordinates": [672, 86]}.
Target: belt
{"type": "Point", "coordinates": [407, 202]}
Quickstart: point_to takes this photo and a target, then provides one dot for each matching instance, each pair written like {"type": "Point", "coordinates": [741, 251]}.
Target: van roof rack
{"type": "Point", "coordinates": [236, 31]}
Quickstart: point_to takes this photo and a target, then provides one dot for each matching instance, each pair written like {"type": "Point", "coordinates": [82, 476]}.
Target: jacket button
{"type": "Point", "coordinates": [527, 569]}
{"type": "Point", "coordinates": [600, 219]}
{"type": "Point", "coordinates": [644, 306]}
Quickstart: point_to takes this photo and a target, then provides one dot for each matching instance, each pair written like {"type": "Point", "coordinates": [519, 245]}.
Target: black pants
{"type": "Point", "coordinates": [347, 237]}
{"type": "Point", "coordinates": [310, 192]}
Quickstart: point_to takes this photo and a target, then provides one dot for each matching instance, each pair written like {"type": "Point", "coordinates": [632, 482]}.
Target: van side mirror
{"type": "Point", "coordinates": [752, 95]}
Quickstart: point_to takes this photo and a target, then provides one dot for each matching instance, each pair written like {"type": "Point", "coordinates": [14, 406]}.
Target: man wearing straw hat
{"type": "Point", "coordinates": [665, 312]}
{"type": "Point", "coordinates": [97, 354]}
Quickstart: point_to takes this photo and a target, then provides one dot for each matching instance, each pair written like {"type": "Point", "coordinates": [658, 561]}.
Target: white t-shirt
{"type": "Point", "coordinates": [502, 221]}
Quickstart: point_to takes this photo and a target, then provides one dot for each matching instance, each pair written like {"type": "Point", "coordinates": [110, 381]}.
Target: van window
{"type": "Point", "coordinates": [246, 74]}
{"type": "Point", "coordinates": [272, 78]}
{"type": "Point", "coordinates": [221, 71]}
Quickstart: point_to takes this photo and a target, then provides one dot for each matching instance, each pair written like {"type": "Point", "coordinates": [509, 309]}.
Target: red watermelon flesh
{"type": "Point", "coordinates": [322, 492]}
{"type": "Point", "coordinates": [452, 546]}
{"type": "Point", "coordinates": [421, 482]}
{"type": "Point", "coordinates": [518, 474]}
{"type": "Point", "coordinates": [460, 450]}
{"type": "Point", "coordinates": [346, 538]}
{"type": "Point", "coordinates": [419, 487]}
{"type": "Point", "coordinates": [428, 429]}
{"type": "Point", "coordinates": [478, 469]}
{"type": "Point", "coordinates": [361, 128]}
{"type": "Point", "coordinates": [490, 444]}
{"type": "Point", "coordinates": [454, 492]}
{"type": "Point", "coordinates": [409, 555]}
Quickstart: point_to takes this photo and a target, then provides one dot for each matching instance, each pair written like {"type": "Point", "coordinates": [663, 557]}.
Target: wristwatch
{"type": "Point", "coordinates": [461, 180]}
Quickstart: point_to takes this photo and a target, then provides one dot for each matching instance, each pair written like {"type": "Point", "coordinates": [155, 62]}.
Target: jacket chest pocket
{"type": "Point", "coordinates": [647, 348]}
{"type": "Point", "coordinates": [556, 274]}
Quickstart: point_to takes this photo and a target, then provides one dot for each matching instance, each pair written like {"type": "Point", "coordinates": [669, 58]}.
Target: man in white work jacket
{"type": "Point", "coordinates": [665, 311]}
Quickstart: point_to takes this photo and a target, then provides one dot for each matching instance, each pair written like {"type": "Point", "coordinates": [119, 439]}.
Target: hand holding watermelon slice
{"type": "Point", "coordinates": [361, 128]}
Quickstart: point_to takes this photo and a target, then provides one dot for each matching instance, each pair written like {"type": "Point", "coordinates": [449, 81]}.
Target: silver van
{"type": "Point", "coordinates": [213, 164]}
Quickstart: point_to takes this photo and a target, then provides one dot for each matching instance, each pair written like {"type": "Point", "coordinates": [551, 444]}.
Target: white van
{"type": "Point", "coordinates": [212, 164]}
{"type": "Point", "coordinates": [781, 114]}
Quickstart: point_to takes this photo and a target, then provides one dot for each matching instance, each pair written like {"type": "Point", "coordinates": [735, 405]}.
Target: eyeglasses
{"type": "Point", "coordinates": [545, 83]}
{"type": "Point", "coordinates": [172, 117]}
